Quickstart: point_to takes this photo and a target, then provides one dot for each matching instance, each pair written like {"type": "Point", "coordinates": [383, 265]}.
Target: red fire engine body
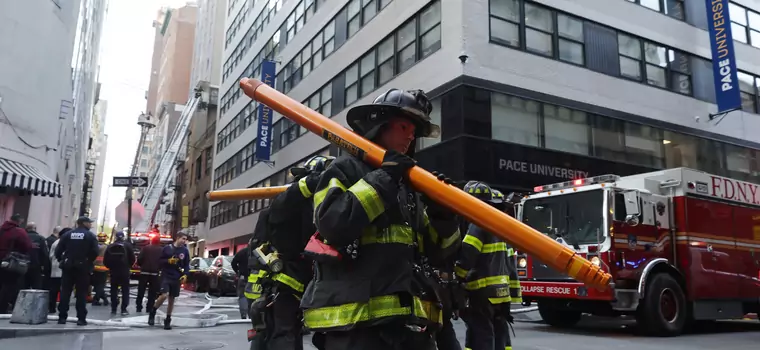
{"type": "Point", "coordinates": [681, 245]}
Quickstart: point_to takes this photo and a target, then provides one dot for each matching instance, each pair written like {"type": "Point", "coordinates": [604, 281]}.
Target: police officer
{"type": "Point", "coordinates": [76, 252]}
{"type": "Point", "coordinates": [100, 273]}
{"type": "Point", "coordinates": [482, 265]}
{"type": "Point", "coordinates": [283, 232]}
{"type": "Point", "coordinates": [377, 293]}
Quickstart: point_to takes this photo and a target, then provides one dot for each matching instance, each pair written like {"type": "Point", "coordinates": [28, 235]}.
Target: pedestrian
{"type": "Point", "coordinates": [240, 266]}
{"type": "Point", "coordinates": [76, 252]}
{"type": "Point", "coordinates": [54, 278]}
{"type": "Point", "coordinates": [100, 273]}
{"type": "Point", "coordinates": [148, 260]}
{"type": "Point", "coordinates": [118, 258]}
{"type": "Point", "coordinates": [175, 264]}
{"type": "Point", "coordinates": [53, 237]}
{"type": "Point", "coordinates": [15, 247]}
{"type": "Point", "coordinates": [483, 267]}
{"type": "Point", "coordinates": [39, 259]}
{"type": "Point", "coordinates": [380, 294]}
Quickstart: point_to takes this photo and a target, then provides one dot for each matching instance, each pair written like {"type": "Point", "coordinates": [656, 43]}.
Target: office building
{"type": "Point", "coordinates": [526, 92]}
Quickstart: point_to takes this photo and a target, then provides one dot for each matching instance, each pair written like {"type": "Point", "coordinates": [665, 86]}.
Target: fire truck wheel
{"type": "Point", "coordinates": [663, 311]}
{"type": "Point", "coordinates": [557, 317]}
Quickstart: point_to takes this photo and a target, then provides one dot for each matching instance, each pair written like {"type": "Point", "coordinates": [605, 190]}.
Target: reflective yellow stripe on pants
{"type": "Point", "coordinates": [253, 287]}
{"type": "Point", "coordinates": [376, 308]}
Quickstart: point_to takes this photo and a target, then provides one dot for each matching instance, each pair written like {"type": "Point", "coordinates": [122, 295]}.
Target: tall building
{"type": "Point", "coordinates": [48, 88]}
{"type": "Point", "coordinates": [170, 77]}
{"type": "Point", "coordinates": [97, 155]}
{"type": "Point", "coordinates": [526, 92]}
{"type": "Point", "coordinates": [194, 172]}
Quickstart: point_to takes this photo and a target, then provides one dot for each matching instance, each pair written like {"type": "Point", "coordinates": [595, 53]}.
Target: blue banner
{"type": "Point", "coordinates": [264, 135]}
{"type": "Point", "coordinates": [727, 92]}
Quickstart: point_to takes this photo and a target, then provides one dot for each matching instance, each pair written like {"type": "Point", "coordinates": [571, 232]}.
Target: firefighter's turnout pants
{"type": "Point", "coordinates": [278, 297]}
{"type": "Point", "coordinates": [487, 327]}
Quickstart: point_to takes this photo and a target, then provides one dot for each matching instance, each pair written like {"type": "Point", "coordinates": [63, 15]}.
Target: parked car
{"type": "Point", "coordinates": [221, 278]}
{"type": "Point", "coordinates": [197, 279]}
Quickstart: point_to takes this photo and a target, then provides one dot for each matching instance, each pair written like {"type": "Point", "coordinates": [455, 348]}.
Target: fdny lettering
{"type": "Point", "coordinates": [734, 190]}
{"type": "Point", "coordinates": [77, 235]}
{"type": "Point", "coordinates": [546, 290]}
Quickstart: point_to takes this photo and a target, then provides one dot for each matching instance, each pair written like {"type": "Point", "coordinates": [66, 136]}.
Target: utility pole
{"type": "Point", "coordinates": [105, 209]}
{"type": "Point", "coordinates": [145, 123]}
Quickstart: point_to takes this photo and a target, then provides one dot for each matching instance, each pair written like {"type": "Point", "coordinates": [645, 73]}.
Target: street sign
{"type": "Point", "coordinates": [123, 181]}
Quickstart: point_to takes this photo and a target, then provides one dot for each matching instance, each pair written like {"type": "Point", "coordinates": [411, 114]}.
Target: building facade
{"type": "Point", "coordinates": [96, 158]}
{"type": "Point", "coordinates": [44, 120]}
{"type": "Point", "coordinates": [170, 77]}
{"type": "Point", "coordinates": [526, 92]}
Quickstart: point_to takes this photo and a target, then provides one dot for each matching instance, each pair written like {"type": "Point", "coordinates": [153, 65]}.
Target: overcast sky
{"type": "Point", "coordinates": [127, 46]}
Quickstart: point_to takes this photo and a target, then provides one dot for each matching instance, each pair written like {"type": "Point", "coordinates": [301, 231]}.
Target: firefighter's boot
{"type": "Point", "coordinates": [168, 323]}
{"type": "Point", "coordinates": [152, 318]}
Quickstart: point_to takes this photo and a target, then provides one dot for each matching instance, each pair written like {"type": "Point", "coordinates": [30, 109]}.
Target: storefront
{"type": "Point", "coordinates": [513, 167]}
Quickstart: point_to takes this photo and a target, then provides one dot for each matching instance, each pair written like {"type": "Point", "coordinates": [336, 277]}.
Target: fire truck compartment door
{"type": "Point", "coordinates": [712, 248]}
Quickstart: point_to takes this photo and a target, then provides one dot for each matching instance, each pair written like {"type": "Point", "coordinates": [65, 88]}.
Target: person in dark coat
{"type": "Point", "coordinates": [240, 266]}
{"type": "Point", "coordinates": [148, 260]}
{"type": "Point", "coordinates": [13, 238]}
{"type": "Point", "coordinates": [118, 258]}
{"type": "Point", "coordinates": [76, 251]}
{"type": "Point", "coordinates": [39, 260]}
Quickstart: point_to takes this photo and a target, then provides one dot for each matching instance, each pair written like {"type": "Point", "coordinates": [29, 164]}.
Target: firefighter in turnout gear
{"type": "Point", "coordinates": [373, 287]}
{"type": "Point", "coordinates": [279, 271]}
{"type": "Point", "coordinates": [485, 268]}
{"type": "Point", "coordinates": [100, 273]}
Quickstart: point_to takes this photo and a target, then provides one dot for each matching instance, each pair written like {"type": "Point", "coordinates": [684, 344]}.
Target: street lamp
{"type": "Point", "coordinates": [146, 123]}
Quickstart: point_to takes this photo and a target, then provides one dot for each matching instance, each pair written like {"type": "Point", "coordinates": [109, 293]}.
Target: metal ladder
{"type": "Point", "coordinates": [157, 184]}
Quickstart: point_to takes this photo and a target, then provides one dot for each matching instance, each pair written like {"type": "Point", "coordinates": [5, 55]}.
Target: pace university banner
{"type": "Point", "coordinates": [727, 92]}
{"type": "Point", "coordinates": [264, 135]}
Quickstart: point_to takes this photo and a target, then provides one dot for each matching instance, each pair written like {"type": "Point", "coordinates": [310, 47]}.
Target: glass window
{"type": "Point", "coordinates": [629, 49]}
{"type": "Point", "coordinates": [435, 117]}
{"type": "Point", "coordinates": [539, 28]}
{"type": "Point", "coordinates": [607, 135]}
{"type": "Point", "coordinates": [566, 130]}
{"type": "Point", "coordinates": [570, 42]}
{"type": "Point", "coordinates": [747, 88]}
{"type": "Point", "coordinates": [644, 145]}
{"type": "Point", "coordinates": [385, 60]}
{"type": "Point", "coordinates": [514, 119]}
{"type": "Point", "coordinates": [430, 39]}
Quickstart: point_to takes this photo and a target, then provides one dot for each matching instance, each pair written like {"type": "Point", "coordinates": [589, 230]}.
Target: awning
{"type": "Point", "coordinates": [28, 178]}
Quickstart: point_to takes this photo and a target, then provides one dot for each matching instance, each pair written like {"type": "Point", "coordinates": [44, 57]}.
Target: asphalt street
{"type": "Point", "coordinates": [590, 334]}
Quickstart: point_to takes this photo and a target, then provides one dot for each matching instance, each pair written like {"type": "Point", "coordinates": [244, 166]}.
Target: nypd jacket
{"type": "Point", "coordinates": [354, 203]}
{"type": "Point", "coordinates": [79, 246]}
{"type": "Point", "coordinates": [487, 265]}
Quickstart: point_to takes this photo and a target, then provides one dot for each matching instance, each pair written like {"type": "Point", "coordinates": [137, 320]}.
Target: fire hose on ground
{"type": "Point", "coordinates": [519, 235]}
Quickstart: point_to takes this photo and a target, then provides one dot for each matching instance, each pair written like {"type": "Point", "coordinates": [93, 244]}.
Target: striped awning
{"type": "Point", "coordinates": [27, 178]}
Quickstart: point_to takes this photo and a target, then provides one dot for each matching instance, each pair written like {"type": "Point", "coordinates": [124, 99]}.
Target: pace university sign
{"type": "Point", "coordinates": [264, 135]}
{"type": "Point", "coordinates": [727, 93]}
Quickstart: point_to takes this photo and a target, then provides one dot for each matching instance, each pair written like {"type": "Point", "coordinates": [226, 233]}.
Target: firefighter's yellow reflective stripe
{"type": "Point", "coordinates": [289, 281]}
{"type": "Point", "coordinates": [507, 348]}
{"type": "Point", "coordinates": [393, 234]}
{"type": "Point", "coordinates": [501, 300]}
{"type": "Point", "coordinates": [304, 188]}
{"type": "Point", "coordinates": [428, 310]}
{"type": "Point", "coordinates": [486, 282]}
{"type": "Point", "coordinates": [494, 247]}
{"type": "Point", "coordinates": [460, 272]}
{"type": "Point", "coordinates": [253, 287]}
{"type": "Point", "coordinates": [369, 198]}
{"type": "Point", "coordinates": [254, 277]}
{"type": "Point", "coordinates": [510, 252]}
{"type": "Point", "coordinates": [473, 241]}
{"type": "Point", "coordinates": [320, 196]}
{"type": "Point", "coordinates": [432, 231]}
{"type": "Point", "coordinates": [376, 308]}
{"type": "Point", "coordinates": [514, 283]}
{"type": "Point", "coordinates": [448, 242]}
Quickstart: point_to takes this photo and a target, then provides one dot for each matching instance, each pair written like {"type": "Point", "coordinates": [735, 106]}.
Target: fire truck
{"type": "Point", "coordinates": [141, 240]}
{"type": "Point", "coordinates": [682, 245]}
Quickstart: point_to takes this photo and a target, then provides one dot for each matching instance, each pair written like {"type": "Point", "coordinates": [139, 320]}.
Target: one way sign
{"type": "Point", "coordinates": [123, 181]}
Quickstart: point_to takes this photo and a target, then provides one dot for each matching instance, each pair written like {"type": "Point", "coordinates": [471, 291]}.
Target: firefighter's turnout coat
{"type": "Point", "coordinates": [356, 205]}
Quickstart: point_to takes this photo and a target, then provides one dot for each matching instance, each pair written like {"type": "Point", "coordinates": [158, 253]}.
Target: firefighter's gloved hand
{"type": "Point", "coordinates": [443, 178]}
{"type": "Point", "coordinates": [396, 165]}
{"type": "Point", "coordinates": [312, 180]}
{"type": "Point", "coordinates": [183, 279]}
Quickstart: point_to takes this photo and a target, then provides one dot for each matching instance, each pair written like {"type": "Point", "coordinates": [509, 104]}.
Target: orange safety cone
{"type": "Point", "coordinates": [519, 235]}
